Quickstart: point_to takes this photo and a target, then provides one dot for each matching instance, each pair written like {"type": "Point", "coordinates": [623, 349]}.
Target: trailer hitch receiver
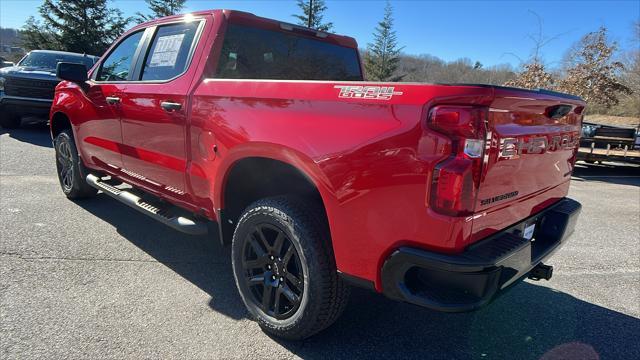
{"type": "Point", "coordinates": [541, 271]}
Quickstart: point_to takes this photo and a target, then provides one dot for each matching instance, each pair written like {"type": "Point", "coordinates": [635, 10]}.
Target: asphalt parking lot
{"type": "Point", "coordinates": [95, 279]}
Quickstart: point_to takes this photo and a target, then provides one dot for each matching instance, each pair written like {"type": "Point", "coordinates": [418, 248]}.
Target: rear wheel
{"type": "Point", "coordinates": [71, 172]}
{"type": "Point", "coordinates": [9, 120]}
{"type": "Point", "coordinates": [285, 269]}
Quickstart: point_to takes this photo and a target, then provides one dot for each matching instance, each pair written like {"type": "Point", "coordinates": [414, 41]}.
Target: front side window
{"type": "Point", "coordinates": [118, 65]}
{"type": "Point", "coordinates": [253, 53]}
{"type": "Point", "coordinates": [169, 54]}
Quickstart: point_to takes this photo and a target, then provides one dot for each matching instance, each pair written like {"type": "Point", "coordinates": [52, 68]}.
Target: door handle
{"type": "Point", "coordinates": [112, 100]}
{"type": "Point", "coordinates": [170, 106]}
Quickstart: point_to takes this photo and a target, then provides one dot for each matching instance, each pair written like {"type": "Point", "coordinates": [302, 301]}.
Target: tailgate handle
{"type": "Point", "coordinates": [557, 111]}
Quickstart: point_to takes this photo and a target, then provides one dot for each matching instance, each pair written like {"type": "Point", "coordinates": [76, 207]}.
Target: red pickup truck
{"type": "Point", "coordinates": [437, 195]}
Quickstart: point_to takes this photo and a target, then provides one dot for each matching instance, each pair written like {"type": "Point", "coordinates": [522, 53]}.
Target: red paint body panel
{"type": "Point", "coordinates": [93, 116]}
{"type": "Point", "coordinates": [156, 136]}
{"type": "Point", "coordinates": [371, 160]}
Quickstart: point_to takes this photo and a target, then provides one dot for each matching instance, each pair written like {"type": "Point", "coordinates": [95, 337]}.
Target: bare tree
{"type": "Point", "coordinates": [532, 76]}
{"type": "Point", "coordinates": [594, 75]}
{"type": "Point", "coordinates": [534, 73]}
{"type": "Point", "coordinates": [540, 40]}
{"type": "Point", "coordinates": [630, 103]}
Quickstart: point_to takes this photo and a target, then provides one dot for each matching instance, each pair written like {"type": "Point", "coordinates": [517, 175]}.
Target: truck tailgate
{"type": "Point", "coordinates": [532, 140]}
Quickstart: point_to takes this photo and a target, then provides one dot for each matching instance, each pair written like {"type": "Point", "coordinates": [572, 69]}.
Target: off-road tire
{"type": "Point", "coordinates": [325, 294]}
{"type": "Point", "coordinates": [71, 171]}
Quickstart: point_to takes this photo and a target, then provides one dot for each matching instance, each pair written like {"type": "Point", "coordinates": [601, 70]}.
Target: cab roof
{"type": "Point", "coordinates": [250, 19]}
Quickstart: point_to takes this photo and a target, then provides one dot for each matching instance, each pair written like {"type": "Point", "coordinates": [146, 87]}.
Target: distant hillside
{"type": "Point", "coordinates": [10, 49]}
{"type": "Point", "coordinates": [9, 37]}
{"type": "Point", "coordinates": [624, 121]}
{"type": "Point", "coordinates": [431, 69]}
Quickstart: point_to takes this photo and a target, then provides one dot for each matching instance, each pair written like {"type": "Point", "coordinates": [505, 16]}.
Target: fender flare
{"type": "Point", "coordinates": [298, 160]}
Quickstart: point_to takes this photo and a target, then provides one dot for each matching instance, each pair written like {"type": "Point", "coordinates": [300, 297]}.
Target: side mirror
{"type": "Point", "coordinates": [73, 72]}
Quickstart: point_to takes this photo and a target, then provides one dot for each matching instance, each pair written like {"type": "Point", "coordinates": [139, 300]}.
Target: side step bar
{"type": "Point", "coordinates": [180, 223]}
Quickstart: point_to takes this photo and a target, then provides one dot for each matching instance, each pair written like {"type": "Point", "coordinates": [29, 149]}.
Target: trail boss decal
{"type": "Point", "coordinates": [367, 92]}
{"type": "Point", "coordinates": [510, 147]}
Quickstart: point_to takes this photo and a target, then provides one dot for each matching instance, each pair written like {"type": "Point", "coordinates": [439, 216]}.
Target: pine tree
{"type": "Point", "coordinates": [383, 55]}
{"type": "Point", "coordinates": [35, 36]}
{"type": "Point", "coordinates": [160, 8]}
{"type": "Point", "coordinates": [83, 26]}
{"type": "Point", "coordinates": [315, 9]}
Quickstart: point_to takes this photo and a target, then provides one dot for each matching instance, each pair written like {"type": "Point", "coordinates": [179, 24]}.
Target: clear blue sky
{"type": "Point", "coordinates": [480, 30]}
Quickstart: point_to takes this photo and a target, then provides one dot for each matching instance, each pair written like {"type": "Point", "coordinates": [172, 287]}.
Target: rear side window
{"type": "Point", "coordinates": [253, 53]}
{"type": "Point", "coordinates": [170, 50]}
{"type": "Point", "coordinates": [117, 65]}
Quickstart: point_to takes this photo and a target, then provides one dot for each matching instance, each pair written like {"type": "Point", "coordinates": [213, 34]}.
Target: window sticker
{"type": "Point", "coordinates": [166, 51]}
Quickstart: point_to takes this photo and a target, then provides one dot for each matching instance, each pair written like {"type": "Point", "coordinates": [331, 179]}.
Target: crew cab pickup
{"type": "Point", "coordinates": [437, 195]}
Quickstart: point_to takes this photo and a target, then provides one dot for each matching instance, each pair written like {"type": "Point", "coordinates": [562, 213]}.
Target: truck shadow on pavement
{"type": "Point", "coordinates": [32, 133]}
{"type": "Point", "coordinates": [528, 322]}
{"type": "Point", "coordinates": [201, 260]}
{"type": "Point", "coordinates": [622, 174]}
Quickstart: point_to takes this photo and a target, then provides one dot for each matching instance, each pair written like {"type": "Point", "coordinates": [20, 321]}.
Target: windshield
{"type": "Point", "coordinates": [50, 60]}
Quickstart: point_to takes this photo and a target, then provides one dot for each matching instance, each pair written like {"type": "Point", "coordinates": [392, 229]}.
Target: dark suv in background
{"type": "Point", "coordinates": [27, 89]}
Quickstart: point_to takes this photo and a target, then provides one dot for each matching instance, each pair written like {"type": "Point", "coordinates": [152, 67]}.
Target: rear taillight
{"type": "Point", "coordinates": [456, 179]}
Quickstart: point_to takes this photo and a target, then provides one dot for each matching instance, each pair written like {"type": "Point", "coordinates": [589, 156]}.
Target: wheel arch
{"type": "Point", "coordinates": [283, 172]}
{"type": "Point", "coordinates": [59, 121]}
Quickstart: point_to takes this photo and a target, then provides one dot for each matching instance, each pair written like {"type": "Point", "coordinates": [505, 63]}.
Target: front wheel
{"type": "Point", "coordinates": [70, 168]}
{"type": "Point", "coordinates": [284, 268]}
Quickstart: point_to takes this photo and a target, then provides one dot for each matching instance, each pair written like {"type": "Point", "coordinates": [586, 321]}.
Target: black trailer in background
{"type": "Point", "coordinates": [609, 143]}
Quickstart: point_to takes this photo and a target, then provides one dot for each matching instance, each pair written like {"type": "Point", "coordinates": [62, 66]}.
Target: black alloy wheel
{"type": "Point", "coordinates": [65, 165]}
{"type": "Point", "coordinates": [284, 267]}
{"type": "Point", "coordinates": [273, 271]}
{"type": "Point", "coordinates": [69, 167]}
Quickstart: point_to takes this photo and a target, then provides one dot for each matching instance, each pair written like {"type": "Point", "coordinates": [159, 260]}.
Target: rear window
{"type": "Point", "coordinates": [253, 53]}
